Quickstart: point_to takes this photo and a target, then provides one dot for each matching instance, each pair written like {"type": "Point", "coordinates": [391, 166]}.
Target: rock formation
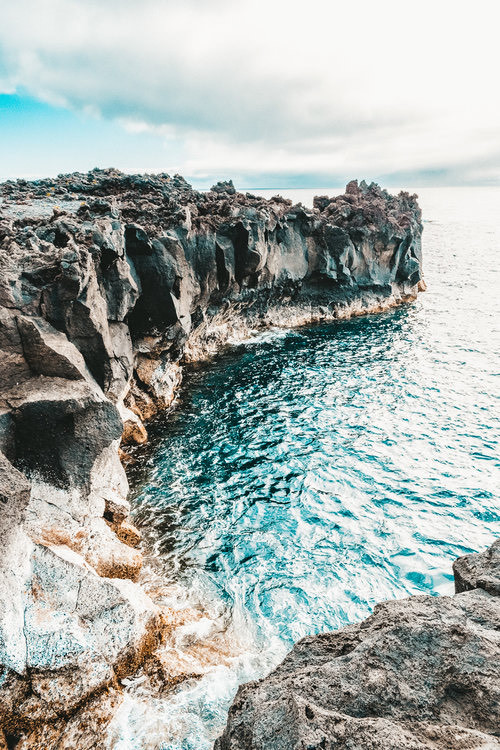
{"type": "Point", "coordinates": [422, 672]}
{"type": "Point", "coordinates": [108, 282]}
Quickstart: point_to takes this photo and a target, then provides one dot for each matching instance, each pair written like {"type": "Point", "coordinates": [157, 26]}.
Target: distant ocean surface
{"type": "Point", "coordinates": [306, 475]}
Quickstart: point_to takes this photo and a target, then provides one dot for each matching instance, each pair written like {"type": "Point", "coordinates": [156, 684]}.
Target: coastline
{"type": "Point", "coordinates": [102, 299]}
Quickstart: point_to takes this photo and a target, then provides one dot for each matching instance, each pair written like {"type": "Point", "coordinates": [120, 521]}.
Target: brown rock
{"type": "Point", "coordinates": [126, 458]}
{"type": "Point", "coordinates": [128, 534]}
{"type": "Point", "coordinates": [134, 432]}
{"type": "Point", "coordinates": [111, 558]}
{"type": "Point", "coordinates": [85, 730]}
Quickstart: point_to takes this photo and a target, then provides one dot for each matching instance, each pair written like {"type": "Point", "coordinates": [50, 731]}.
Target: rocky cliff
{"type": "Point", "coordinates": [108, 283]}
{"type": "Point", "coordinates": [419, 674]}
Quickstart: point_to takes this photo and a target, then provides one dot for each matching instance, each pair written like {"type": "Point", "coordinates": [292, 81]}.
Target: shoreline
{"type": "Point", "coordinates": [102, 296]}
{"type": "Point", "coordinates": [235, 328]}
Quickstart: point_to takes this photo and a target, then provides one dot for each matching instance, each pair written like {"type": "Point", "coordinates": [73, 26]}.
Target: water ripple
{"type": "Point", "coordinates": [307, 475]}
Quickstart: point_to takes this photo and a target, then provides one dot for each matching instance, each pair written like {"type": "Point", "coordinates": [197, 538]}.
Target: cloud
{"type": "Point", "coordinates": [323, 87]}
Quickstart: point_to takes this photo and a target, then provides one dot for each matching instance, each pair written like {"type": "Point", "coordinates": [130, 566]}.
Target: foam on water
{"type": "Point", "coordinates": [306, 475]}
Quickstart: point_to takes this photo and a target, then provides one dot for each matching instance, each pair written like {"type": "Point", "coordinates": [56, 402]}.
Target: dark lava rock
{"type": "Point", "coordinates": [224, 187]}
{"type": "Point", "coordinates": [143, 264]}
{"type": "Point", "coordinates": [108, 284]}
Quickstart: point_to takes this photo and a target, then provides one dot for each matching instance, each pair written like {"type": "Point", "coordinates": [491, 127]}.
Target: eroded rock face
{"type": "Point", "coordinates": [108, 283]}
{"type": "Point", "coordinates": [67, 628]}
{"type": "Point", "coordinates": [419, 673]}
{"type": "Point", "coordinates": [114, 277]}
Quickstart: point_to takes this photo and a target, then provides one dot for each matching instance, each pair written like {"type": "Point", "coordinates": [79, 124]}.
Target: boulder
{"type": "Point", "coordinates": [61, 426]}
{"type": "Point", "coordinates": [81, 631]}
{"type": "Point", "coordinates": [48, 351]}
{"type": "Point", "coordinates": [85, 730]}
{"type": "Point", "coordinates": [479, 571]}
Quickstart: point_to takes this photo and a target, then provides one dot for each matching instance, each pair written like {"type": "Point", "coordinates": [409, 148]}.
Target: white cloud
{"type": "Point", "coordinates": [323, 87]}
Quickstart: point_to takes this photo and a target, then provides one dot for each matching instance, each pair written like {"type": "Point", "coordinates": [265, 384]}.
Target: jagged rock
{"type": "Point", "coordinates": [14, 498]}
{"type": "Point", "coordinates": [14, 495]}
{"type": "Point", "coordinates": [137, 241]}
{"type": "Point", "coordinates": [85, 730]}
{"type": "Point", "coordinates": [121, 361]}
{"type": "Point", "coordinates": [61, 426]}
{"type": "Point", "coordinates": [110, 555]}
{"type": "Point", "coordinates": [176, 258]}
{"type": "Point", "coordinates": [134, 431]}
{"type": "Point", "coordinates": [161, 378]}
{"type": "Point", "coordinates": [479, 571]}
{"type": "Point", "coordinates": [14, 368]}
{"type": "Point", "coordinates": [128, 534]}
{"type": "Point", "coordinates": [48, 351]}
{"type": "Point", "coordinates": [224, 187]}
{"type": "Point", "coordinates": [116, 510]}
{"type": "Point", "coordinates": [419, 673]}
{"type": "Point", "coordinates": [80, 629]}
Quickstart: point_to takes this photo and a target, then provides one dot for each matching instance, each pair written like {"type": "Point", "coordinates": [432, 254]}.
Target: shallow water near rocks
{"type": "Point", "coordinates": [306, 475]}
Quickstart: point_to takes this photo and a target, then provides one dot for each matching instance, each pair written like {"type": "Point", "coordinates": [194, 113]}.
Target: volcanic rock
{"type": "Point", "coordinates": [479, 571]}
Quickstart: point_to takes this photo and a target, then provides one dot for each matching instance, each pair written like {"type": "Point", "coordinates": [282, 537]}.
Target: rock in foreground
{"type": "Point", "coordinates": [422, 672]}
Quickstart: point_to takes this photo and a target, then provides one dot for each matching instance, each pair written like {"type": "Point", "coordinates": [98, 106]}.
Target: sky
{"type": "Point", "coordinates": [271, 93]}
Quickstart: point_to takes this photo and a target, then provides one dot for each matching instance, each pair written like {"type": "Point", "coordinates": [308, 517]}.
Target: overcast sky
{"type": "Point", "coordinates": [271, 92]}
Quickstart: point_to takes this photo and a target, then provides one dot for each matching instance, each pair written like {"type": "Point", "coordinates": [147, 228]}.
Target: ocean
{"type": "Point", "coordinates": [306, 475]}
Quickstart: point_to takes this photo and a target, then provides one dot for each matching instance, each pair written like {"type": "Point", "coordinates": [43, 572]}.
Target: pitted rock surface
{"type": "Point", "coordinates": [479, 571]}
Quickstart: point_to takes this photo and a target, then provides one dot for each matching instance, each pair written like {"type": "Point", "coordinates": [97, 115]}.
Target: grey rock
{"type": "Point", "coordinates": [14, 495]}
{"type": "Point", "coordinates": [79, 628]}
{"type": "Point", "coordinates": [137, 241]}
{"type": "Point", "coordinates": [14, 498]}
{"type": "Point", "coordinates": [224, 187]}
{"type": "Point", "coordinates": [479, 571]}
{"type": "Point", "coordinates": [48, 351]}
{"type": "Point", "coordinates": [61, 426]}
{"type": "Point", "coordinates": [419, 673]}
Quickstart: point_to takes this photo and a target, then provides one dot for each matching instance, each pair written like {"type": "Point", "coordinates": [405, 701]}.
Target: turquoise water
{"type": "Point", "coordinates": [306, 475]}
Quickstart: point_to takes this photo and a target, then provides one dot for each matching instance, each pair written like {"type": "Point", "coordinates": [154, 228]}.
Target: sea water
{"type": "Point", "coordinates": [306, 475]}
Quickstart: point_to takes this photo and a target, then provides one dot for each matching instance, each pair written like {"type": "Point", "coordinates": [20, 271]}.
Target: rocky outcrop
{"type": "Point", "coordinates": [108, 283]}
{"type": "Point", "coordinates": [419, 673]}
{"type": "Point", "coordinates": [479, 571]}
